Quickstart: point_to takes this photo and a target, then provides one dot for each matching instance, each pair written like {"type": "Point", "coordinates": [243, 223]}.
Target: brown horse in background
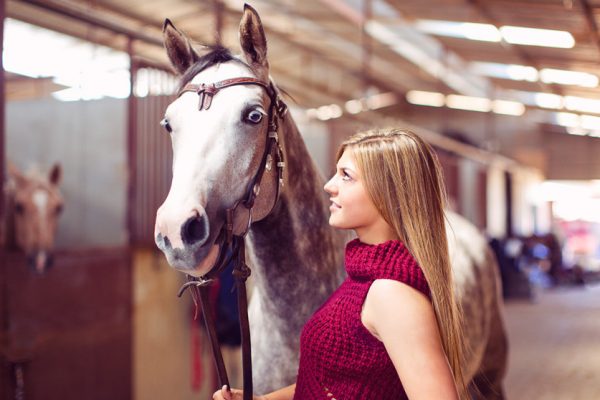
{"type": "Point", "coordinates": [33, 205]}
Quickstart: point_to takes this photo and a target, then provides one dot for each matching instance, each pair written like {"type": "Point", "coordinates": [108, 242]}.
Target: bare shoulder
{"type": "Point", "coordinates": [392, 305]}
{"type": "Point", "coordinates": [388, 293]}
{"type": "Point", "coordinates": [403, 319]}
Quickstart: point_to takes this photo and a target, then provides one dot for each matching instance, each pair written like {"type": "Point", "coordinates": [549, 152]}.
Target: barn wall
{"type": "Point", "coordinates": [70, 329]}
{"type": "Point", "coordinates": [162, 348]}
{"type": "Point", "coordinates": [316, 137]}
{"type": "Point", "coordinates": [88, 139]}
{"type": "Point", "coordinates": [572, 157]}
{"type": "Point", "coordinates": [557, 154]}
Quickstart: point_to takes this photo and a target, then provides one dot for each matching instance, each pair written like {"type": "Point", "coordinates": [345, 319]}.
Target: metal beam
{"type": "Point", "coordinates": [588, 13]}
{"type": "Point", "coordinates": [478, 5]}
{"type": "Point", "coordinates": [94, 17]}
{"type": "Point", "coordinates": [412, 45]}
{"type": "Point", "coordinates": [80, 13]}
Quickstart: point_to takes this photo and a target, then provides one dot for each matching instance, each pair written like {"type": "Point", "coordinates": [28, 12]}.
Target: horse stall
{"type": "Point", "coordinates": [68, 327]}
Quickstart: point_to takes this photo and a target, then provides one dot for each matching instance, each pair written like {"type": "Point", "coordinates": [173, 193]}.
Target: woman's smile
{"type": "Point", "coordinates": [334, 205]}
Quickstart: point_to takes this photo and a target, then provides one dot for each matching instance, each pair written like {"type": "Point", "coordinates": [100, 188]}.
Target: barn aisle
{"type": "Point", "coordinates": [555, 345]}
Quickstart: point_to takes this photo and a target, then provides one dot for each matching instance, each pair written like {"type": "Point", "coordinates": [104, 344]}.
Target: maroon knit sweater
{"type": "Point", "coordinates": [339, 358]}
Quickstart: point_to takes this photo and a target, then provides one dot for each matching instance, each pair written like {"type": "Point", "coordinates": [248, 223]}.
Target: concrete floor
{"type": "Point", "coordinates": [555, 345]}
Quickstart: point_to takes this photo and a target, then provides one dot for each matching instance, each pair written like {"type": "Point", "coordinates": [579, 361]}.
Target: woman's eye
{"type": "Point", "coordinates": [345, 176]}
{"type": "Point", "coordinates": [254, 116]}
{"type": "Point", "coordinates": [165, 124]}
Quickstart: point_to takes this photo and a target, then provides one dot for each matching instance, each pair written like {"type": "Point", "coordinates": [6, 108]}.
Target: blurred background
{"type": "Point", "coordinates": [505, 90]}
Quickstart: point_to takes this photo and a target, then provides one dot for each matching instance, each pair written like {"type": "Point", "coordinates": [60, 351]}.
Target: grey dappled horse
{"type": "Point", "coordinates": [296, 258]}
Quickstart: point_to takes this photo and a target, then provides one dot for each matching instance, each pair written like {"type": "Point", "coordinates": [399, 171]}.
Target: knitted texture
{"type": "Point", "coordinates": [339, 358]}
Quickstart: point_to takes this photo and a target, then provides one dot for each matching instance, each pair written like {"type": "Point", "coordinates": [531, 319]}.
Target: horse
{"type": "Point", "coordinates": [296, 257]}
{"type": "Point", "coordinates": [33, 206]}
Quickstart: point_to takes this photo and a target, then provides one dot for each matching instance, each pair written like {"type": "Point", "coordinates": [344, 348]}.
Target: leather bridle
{"type": "Point", "coordinates": [233, 247]}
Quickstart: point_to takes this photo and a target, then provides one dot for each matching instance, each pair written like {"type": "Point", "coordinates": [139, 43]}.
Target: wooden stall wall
{"type": "Point", "coordinates": [87, 138]}
{"type": "Point", "coordinates": [153, 167]}
{"type": "Point", "coordinates": [171, 357]}
{"type": "Point", "coordinates": [68, 332]}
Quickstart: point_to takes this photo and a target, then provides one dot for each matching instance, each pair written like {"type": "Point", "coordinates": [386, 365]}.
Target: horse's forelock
{"type": "Point", "coordinates": [217, 55]}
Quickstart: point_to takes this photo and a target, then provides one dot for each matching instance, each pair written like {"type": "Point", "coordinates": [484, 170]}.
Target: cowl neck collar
{"type": "Point", "coordinates": [371, 261]}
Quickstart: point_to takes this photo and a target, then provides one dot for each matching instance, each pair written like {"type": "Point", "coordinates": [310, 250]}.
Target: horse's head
{"type": "Point", "coordinates": [220, 141]}
{"type": "Point", "coordinates": [36, 205]}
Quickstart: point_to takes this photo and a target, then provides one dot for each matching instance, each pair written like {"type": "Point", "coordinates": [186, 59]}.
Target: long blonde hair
{"type": "Point", "coordinates": [403, 177]}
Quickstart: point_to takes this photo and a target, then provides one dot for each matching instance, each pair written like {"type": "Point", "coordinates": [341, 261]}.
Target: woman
{"type": "Point", "coordinates": [392, 329]}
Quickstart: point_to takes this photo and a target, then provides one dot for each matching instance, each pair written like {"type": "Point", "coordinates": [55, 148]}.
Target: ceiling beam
{"type": "Point", "coordinates": [522, 55]}
{"type": "Point", "coordinates": [588, 13]}
{"type": "Point", "coordinates": [419, 49]}
{"type": "Point", "coordinates": [95, 18]}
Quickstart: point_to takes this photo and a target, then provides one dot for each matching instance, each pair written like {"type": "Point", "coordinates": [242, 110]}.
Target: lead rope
{"type": "Point", "coordinates": [209, 321]}
{"type": "Point", "coordinates": [241, 273]}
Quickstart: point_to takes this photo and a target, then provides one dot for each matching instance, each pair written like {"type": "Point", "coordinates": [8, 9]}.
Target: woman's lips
{"type": "Point", "coordinates": [334, 205]}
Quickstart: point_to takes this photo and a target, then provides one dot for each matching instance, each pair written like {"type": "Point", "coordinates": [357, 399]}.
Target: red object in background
{"type": "Point", "coordinates": [578, 236]}
{"type": "Point", "coordinates": [196, 356]}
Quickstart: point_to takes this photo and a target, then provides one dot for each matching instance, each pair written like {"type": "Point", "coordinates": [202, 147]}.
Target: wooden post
{"type": "Point", "coordinates": [4, 318]}
{"type": "Point", "coordinates": [508, 182]}
{"type": "Point", "coordinates": [131, 145]}
{"type": "Point", "coordinates": [366, 45]}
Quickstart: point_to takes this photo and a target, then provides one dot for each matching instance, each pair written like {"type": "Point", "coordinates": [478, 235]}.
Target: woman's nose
{"type": "Point", "coordinates": [329, 186]}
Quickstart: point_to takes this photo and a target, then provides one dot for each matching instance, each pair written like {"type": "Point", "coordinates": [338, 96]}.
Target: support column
{"type": "Point", "coordinates": [509, 203]}
{"type": "Point", "coordinates": [131, 144]}
{"type": "Point", "coordinates": [4, 311]}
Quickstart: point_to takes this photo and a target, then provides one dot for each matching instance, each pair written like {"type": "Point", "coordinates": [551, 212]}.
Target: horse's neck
{"type": "Point", "coordinates": [294, 247]}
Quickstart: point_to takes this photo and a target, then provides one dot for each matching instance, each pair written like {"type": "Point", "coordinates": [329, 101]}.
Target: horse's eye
{"type": "Point", "coordinates": [58, 209]}
{"type": "Point", "coordinates": [165, 124]}
{"type": "Point", "coordinates": [254, 116]}
{"type": "Point", "coordinates": [19, 208]}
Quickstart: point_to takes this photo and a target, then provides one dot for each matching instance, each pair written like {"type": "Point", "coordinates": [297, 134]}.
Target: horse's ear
{"type": "Point", "coordinates": [14, 174]}
{"type": "Point", "coordinates": [253, 41]}
{"type": "Point", "coordinates": [180, 51]}
{"type": "Point", "coordinates": [55, 174]}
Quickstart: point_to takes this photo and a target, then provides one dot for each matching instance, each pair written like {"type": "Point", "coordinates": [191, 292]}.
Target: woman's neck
{"type": "Point", "coordinates": [379, 232]}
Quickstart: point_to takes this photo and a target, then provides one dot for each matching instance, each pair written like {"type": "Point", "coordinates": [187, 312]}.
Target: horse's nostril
{"type": "Point", "coordinates": [195, 230]}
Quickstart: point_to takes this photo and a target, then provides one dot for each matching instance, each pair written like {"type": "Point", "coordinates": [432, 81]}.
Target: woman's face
{"type": "Point", "coordinates": [351, 207]}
